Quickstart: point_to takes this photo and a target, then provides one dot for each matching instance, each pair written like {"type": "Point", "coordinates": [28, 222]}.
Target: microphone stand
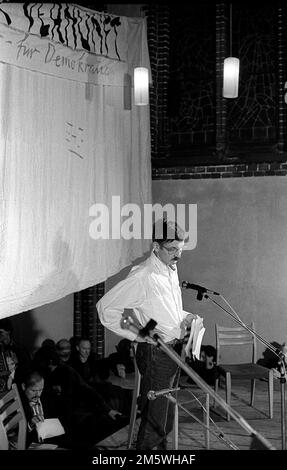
{"type": "Point", "coordinates": [220, 437]}
{"type": "Point", "coordinates": [156, 340]}
{"type": "Point", "coordinates": [280, 355]}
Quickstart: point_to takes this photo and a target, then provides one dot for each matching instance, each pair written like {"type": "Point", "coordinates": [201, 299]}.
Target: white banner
{"type": "Point", "coordinates": [42, 55]}
{"type": "Point", "coordinates": [71, 42]}
{"type": "Point", "coordinates": [65, 147]}
{"type": "Point", "coordinates": [70, 25]}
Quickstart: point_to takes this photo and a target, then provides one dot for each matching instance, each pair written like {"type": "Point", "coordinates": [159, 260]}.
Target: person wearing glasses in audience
{"type": "Point", "coordinates": [152, 291]}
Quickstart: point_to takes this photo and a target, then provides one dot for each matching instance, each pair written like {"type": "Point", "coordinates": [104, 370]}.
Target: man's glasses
{"type": "Point", "coordinates": [172, 250]}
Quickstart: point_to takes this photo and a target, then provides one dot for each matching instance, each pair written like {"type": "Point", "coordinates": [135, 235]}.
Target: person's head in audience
{"type": "Point", "coordinates": [124, 350]}
{"type": "Point", "coordinates": [33, 385]}
{"type": "Point", "coordinates": [6, 330]}
{"type": "Point", "coordinates": [10, 346]}
{"type": "Point", "coordinates": [208, 356]}
{"type": "Point", "coordinates": [124, 347]}
{"type": "Point", "coordinates": [11, 361]}
{"type": "Point", "coordinates": [48, 343]}
{"type": "Point", "coordinates": [63, 348]}
{"type": "Point", "coordinates": [84, 349]}
{"type": "Point", "coordinates": [46, 360]}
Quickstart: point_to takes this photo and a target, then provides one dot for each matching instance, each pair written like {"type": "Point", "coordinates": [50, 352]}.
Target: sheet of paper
{"type": "Point", "coordinates": [197, 343]}
{"type": "Point", "coordinates": [37, 446]}
{"type": "Point", "coordinates": [197, 331]}
{"type": "Point", "coordinates": [49, 428]}
{"type": "Point", "coordinates": [188, 346]}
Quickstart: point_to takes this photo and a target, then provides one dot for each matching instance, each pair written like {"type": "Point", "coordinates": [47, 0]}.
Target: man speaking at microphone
{"type": "Point", "coordinates": [152, 291]}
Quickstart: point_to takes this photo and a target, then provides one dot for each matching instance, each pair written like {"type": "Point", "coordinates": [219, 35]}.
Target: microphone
{"type": "Point", "coordinates": [200, 289]}
{"type": "Point", "coordinates": [152, 395]}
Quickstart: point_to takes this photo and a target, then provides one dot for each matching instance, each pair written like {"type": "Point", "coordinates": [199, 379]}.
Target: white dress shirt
{"type": "Point", "coordinates": [152, 291]}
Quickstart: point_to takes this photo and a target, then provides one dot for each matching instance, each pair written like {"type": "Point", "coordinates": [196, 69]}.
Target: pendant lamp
{"type": "Point", "coordinates": [141, 86]}
{"type": "Point", "coordinates": [230, 69]}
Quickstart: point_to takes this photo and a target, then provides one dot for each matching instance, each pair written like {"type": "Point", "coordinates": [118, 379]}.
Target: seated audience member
{"type": "Point", "coordinates": [94, 372]}
{"type": "Point", "coordinates": [49, 344]}
{"type": "Point", "coordinates": [91, 368]}
{"type": "Point", "coordinates": [121, 362]}
{"type": "Point", "coordinates": [63, 348]}
{"type": "Point", "coordinates": [206, 367]}
{"type": "Point", "coordinates": [9, 344]}
{"type": "Point", "coordinates": [85, 415]}
{"type": "Point", "coordinates": [83, 361]}
{"type": "Point", "coordinates": [35, 404]}
{"type": "Point", "coordinates": [271, 361]}
{"type": "Point", "coordinates": [12, 363]}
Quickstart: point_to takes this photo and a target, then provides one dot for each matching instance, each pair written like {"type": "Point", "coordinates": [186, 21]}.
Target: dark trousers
{"type": "Point", "coordinates": [158, 371]}
{"type": "Point", "coordinates": [88, 428]}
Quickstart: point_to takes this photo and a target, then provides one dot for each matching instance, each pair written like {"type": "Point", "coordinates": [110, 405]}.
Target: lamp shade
{"type": "Point", "coordinates": [141, 86]}
{"type": "Point", "coordinates": [230, 77]}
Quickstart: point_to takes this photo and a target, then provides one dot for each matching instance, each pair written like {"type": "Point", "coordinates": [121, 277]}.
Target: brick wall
{"type": "Point", "coordinates": [221, 171]}
{"type": "Point", "coordinates": [86, 320]}
{"type": "Point", "coordinates": [158, 42]}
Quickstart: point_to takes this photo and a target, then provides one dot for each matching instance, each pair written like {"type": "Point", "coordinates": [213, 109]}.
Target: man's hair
{"type": "Point", "coordinates": [31, 376]}
{"type": "Point", "coordinates": [81, 340]}
{"type": "Point", "coordinates": [6, 324]}
{"type": "Point", "coordinates": [167, 231]}
{"type": "Point", "coordinates": [48, 343]}
{"type": "Point", "coordinates": [124, 346]}
{"type": "Point", "coordinates": [209, 350]}
{"type": "Point", "coordinates": [61, 342]}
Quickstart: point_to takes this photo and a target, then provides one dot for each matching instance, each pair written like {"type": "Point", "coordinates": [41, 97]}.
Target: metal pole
{"type": "Point", "coordinates": [203, 385]}
{"type": "Point", "coordinates": [156, 340]}
{"type": "Point", "coordinates": [277, 353]}
{"type": "Point", "coordinates": [283, 417]}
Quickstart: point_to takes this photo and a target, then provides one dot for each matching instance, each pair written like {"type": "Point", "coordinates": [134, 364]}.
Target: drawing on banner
{"type": "Point", "coordinates": [75, 137]}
